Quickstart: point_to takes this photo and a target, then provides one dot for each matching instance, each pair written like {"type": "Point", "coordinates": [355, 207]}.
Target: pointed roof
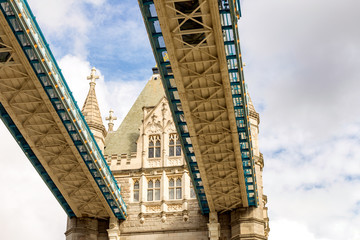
{"type": "Point", "coordinates": [91, 110]}
{"type": "Point", "coordinates": [123, 140]}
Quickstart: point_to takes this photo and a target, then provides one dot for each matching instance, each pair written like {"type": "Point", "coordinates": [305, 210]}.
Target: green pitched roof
{"type": "Point", "coordinates": [123, 140]}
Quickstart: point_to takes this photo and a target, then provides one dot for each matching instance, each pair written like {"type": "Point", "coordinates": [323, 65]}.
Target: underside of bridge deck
{"type": "Point", "coordinates": [38, 109]}
{"type": "Point", "coordinates": [204, 81]}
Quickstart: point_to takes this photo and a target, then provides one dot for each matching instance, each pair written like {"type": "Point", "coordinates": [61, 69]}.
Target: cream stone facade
{"type": "Point", "coordinates": [146, 158]}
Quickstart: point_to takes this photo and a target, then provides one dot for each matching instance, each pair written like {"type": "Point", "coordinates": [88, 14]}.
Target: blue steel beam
{"type": "Point", "coordinates": [30, 38]}
{"type": "Point", "coordinates": [229, 12]}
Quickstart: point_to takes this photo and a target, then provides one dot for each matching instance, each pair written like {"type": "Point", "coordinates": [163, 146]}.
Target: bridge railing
{"type": "Point", "coordinates": [25, 28]}
{"type": "Point", "coordinates": [229, 11]}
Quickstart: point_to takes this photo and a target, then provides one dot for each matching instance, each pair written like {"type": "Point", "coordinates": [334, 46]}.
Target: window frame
{"type": "Point", "coordinates": [154, 190]}
{"type": "Point", "coordinates": [154, 146]}
{"type": "Point", "coordinates": [174, 145]}
{"type": "Point", "coordinates": [176, 188]}
{"type": "Point", "coordinates": [136, 190]}
{"type": "Point", "coordinates": [192, 194]}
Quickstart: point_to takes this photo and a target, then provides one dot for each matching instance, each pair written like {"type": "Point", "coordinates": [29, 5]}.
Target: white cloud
{"type": "Point", "coordinates": [119, 95]}
{"type": "Point", "coordinates": [303, 77]}
{"type": "Point", "coordinates": [66, 22]}
{"type": "Point", "coordinates": [288, 229]}
{"type": "Point", "coordinates": [28, 208]}
{"type": "Point", "coordinates": [302, 70]}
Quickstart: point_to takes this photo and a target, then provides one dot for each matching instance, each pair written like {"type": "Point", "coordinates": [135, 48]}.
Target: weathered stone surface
{"type": "Point", "coordinates": [86, 229]}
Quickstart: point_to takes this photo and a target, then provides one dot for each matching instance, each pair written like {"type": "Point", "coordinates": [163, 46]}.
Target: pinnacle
{"type": "Point", "coordinates": [91, 110]}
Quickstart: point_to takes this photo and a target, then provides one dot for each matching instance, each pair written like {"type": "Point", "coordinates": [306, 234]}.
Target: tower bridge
{"type": "Point", "coordinates": [203, 79]}
{"type": "Point", "coordinates": [196, 47]}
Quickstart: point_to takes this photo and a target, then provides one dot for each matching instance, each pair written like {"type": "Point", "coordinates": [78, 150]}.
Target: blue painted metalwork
{"type": "Point", "coordinates": [229, 16]}
{"type": "Point", "coordinates": [157, 42]}
{"type": "Point", "coordinates": [229, 11]}
{"type": "Point", "coordinates": [237, 8]}
{"type": "Point", "coordinates": [29, 36]}
{"type": "Point", "coordinates": [34, 160]}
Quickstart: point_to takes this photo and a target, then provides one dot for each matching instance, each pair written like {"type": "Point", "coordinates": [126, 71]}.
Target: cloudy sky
{"type": "Point", "coordinates": [302, 70]}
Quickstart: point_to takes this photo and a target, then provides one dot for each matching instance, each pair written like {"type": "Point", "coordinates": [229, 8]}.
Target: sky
{"type": "Point", "coordinates": [302, 70]}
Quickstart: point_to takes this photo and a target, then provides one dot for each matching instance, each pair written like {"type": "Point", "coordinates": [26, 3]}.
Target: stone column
{"type": "Point", "coordinates": [164, 191]}
{"type": "Point", "coordinates": [186, 194]}
{"type": "Point", "coordinates": [186, 184]}
{"type": "Point", "coordinates": [86, 229]}
{"type": "Point", "coordinates": [143, 196]}
{"type": "Point", "coordinates": [248, 223]}
{"type": "Point", "coordinates": [114, 229]}
{"type": "Point", "coordinates": [143, 188]}
{"type": "Point", "coordinates": [213, 226]}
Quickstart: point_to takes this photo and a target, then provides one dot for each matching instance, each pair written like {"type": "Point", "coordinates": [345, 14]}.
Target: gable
{"type": "Point", "coordinates": [123, 140]}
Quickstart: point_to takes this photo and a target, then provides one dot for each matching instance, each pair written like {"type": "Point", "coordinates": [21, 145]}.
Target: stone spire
{"type": "Point", "coordinates": [111, 119]}
{"type": "Point", "coordinates": [91, 112]}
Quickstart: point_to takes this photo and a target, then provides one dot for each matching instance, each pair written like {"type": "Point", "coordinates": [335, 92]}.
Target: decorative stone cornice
{"type": "Point", "coordinates": [249, 220]}
{"type": "Point", "coordinates": [255, 115]}
{"type": "Point", "coordinates": [253, 236]}
{"type": "Point", "coordinates": [101, 128]}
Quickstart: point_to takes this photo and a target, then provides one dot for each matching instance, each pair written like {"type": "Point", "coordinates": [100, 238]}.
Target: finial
{"type": "Point", "coordinates": [92, 76]}
{"type": "Point", "coordinates": [111, 119]}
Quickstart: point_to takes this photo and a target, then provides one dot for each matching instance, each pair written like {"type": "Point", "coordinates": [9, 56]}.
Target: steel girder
{"type": "Point", "coordinates": [38, 108]}
{"type": "Point", "coordinates": [207, 95]}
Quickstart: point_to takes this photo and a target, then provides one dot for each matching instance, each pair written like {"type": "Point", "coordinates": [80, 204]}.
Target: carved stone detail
{"type": "Point", "coordinates": [153, 124]}
{"type": "Point", "coordinates": [174, 161]}
{"type": "Point", "coordinates": [154, 163]}
{"type": "Point", "coordinates": [152, 209]}
{"type": "Point", "coordinates": [174, 207]}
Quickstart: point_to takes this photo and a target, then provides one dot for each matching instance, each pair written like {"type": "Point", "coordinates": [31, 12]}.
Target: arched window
{"type": "Point", "coordinates": [153, 192]}
{"type": "Point", "coordinates": [136, 191]}
{"type": "Point", "coordinates": [192, 191]}
{"type": "Point", "coordinates": [175, 188]}
{"type": "Point", "coordinates": [174, 145]}
{"type": "Point", "coordinates": [154, 146]}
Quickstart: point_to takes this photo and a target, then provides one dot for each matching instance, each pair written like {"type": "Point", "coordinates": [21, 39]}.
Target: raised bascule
{"type": "Point", "coordinates": [186, 156]}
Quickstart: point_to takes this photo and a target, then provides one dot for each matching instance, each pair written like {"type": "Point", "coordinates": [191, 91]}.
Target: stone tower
{"type": "Point", "coordinates": [146, 158]}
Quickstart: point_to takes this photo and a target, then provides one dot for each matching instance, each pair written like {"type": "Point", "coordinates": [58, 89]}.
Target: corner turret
{"type": "Point", "coordinates": [91, 112]}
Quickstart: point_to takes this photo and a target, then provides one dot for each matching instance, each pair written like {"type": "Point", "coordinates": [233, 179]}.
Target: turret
{"type": "Point", "coordinates": [91, 112]}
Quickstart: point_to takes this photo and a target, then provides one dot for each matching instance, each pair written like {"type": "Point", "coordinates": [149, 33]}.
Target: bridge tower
{"type": "Point", "coordinates": [146, 158]}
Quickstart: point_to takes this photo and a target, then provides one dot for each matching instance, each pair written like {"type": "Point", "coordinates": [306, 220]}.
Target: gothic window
{"type": "Point", "coordinates": [174, 145]}
{"type": "Point", "coordinates": [153, 192]}
{"type": "Point", "coordinates": [175, 188]}
{"type": "Point", "coordinates": [136, 191]}
{"type": "Point", "coordinates": [192, 191]}
{"type": "Point", "coordinates": [154, 146]}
